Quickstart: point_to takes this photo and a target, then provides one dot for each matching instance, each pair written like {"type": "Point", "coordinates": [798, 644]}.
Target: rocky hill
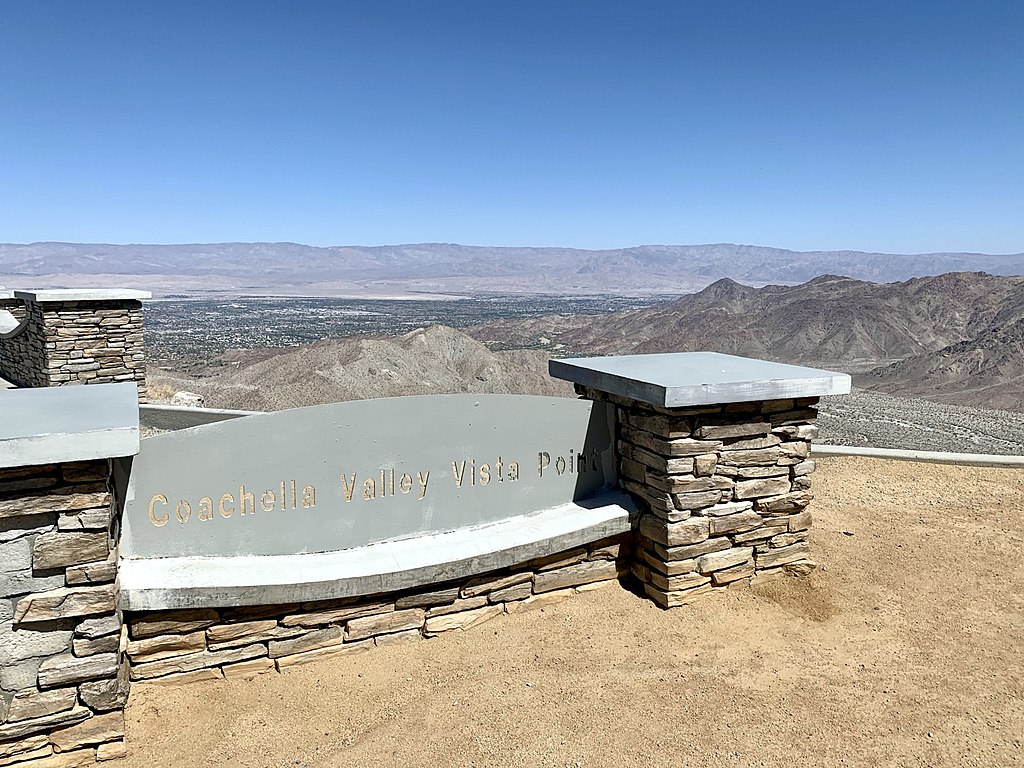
{"type": "Point", "coordinates": [955, 337]}
{"type": "Point", "coordinates": [435, 360]}
{"type": "Point", "coordinates": [294, 269]}
{"type": "Point", "coordinates": [441, 360]}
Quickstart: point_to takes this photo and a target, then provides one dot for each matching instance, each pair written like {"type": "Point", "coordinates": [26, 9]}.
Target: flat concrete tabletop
{"type": "Point", "coordinates": [75, 423]}
{"type": "Point", "coordinates": [680, 379]}
{"type": "Point", "coordinates": [83, 294]}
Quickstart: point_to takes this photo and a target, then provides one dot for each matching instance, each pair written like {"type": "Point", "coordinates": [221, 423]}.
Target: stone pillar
{"type": "Point", "coordinates": [76, 337]}
{"type": "Point", "coordinates": [717, 449]}
{"type": "Point", "coordinates": [63, 674]}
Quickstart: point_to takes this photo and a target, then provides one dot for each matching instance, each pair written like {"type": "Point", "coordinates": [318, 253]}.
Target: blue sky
{"type": "Point", "coordinates": [895, 126]}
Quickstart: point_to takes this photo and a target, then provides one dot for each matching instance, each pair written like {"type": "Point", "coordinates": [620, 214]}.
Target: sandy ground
{"type": "Point", "coordinates": [904, 649]}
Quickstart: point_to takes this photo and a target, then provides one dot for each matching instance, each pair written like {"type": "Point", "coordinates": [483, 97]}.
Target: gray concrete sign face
{"type": "Point", "coordinates": [340, 476]}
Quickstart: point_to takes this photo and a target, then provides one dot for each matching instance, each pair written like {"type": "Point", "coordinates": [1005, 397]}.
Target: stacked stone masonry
{"type": "Point", "coordinates": [63, 680]}
{"type": "Point", "coordinates": [726, 490]}
{"type": "Point", "coordinates": [187, 645]}
{"type": "Point", "coordinates": [15, 306]}
{"type": "Point", "coordinates": [76, 342]}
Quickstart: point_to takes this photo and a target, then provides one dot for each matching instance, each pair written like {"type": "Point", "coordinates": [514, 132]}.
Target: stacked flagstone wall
{"type": "Point", "coordinates": [62, 681]}
{"type": "Point", "coordinates": [75, 341]}
{"type": "Point", "coordinates": [187, 645]}
{"type": "Point", "coordinates": [10, 304]}
{"type": "Point", "coordinates": [726, 489]}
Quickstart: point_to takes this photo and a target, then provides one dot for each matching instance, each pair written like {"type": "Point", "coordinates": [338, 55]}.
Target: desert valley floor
{"type": "Point", "coordinates": [902, 649]}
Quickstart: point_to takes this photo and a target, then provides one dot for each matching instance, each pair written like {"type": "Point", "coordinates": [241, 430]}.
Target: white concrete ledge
{"type": "Point", "coordinates": [206, 582]}
{"type": "Point", "coordinates": [680, 379]}
{"type": "Point", "coordinates": [930, 457]}
{"type": "Point", "coordinates": [76, 423]}
{"type": "Point", "coordinates": [83, 294]}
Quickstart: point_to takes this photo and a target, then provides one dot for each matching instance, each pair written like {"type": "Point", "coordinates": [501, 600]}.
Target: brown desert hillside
{"type": "Point", "coordinates": [955, 336]}
{"type": "Point", "coordinates": [435, 360]}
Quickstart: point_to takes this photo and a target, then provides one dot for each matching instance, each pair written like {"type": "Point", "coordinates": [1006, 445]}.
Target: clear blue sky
{"type": "Point", "coordinates": [888, 126]}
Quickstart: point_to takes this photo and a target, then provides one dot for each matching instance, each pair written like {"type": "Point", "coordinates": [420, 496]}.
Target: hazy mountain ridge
{"type": "Point", "coordinates": [439, 267]}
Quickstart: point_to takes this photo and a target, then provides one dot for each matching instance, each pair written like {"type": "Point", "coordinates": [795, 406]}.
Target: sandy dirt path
{"type": "Point", "coordinates": [905, 649]}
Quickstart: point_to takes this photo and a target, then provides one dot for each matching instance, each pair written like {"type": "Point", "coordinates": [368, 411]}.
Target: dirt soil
{"type": "Point", "coordinates": [903, 649]}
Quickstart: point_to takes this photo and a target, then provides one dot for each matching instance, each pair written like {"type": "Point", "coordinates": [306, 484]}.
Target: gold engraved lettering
{"type": "Point", "coordinates": [294, 504]}
{"type": "Point", "coordinates": [224, 510]}
{"type": "Point", "coordinates": [162, 520]}
{"type": "Point", "coordinates": [281, 498]}
{"type": "Point", "coordinates": [246, 500]}
{"type": "Point", "coordinates": [485, 474]}
{"type": "Point", "coordinates": [497, 466]}
{"type": "Point", "coordinates": [543, 462]}
{"type": "Point", "coordinates": [405, 484]}
{"type": "Point", "coordinates": [560, 466]}
{"type": "Point", "coordinates": [267, 500]}
{"type": "Point", "coordinates": [513, 471]}
{"type": "Point", "coordinates": [423, 478]}
{"type": "Point", "coordinates": [369, 489]}
{"type": "Point", "coordinates": [572, 462]}
{"type": "Point", "coordinates": [459, 473]}
{"type": "Point", "coordinates": [308, 497]}
{"type": "Point", "coordinates": [205, 508]}
{"type": "Point", "coordinates": [349, 486]}
{"type": "Point", "coordinates": [183, 511]}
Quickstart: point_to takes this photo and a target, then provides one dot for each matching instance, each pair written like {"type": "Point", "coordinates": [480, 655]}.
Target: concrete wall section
{"type": "Point", "coordinates": [47, 426]}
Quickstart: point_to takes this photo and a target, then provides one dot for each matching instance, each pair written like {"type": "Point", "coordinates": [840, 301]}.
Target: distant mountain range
{"type": "Point", "coordinates": [956, 338]}
{"type": "Point", "coordinates": [293, 269]}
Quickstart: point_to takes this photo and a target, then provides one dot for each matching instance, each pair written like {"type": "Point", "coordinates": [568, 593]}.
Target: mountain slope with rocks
{"type": "Point", "coordinates": [435, 360]}
{"type": "Point", "coordinates": [957, 337]}
{"type": "Point", "coordinates": [440, 360]}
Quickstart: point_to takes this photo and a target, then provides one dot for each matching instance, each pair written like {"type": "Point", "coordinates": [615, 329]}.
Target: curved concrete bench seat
{"type": "Point", "coordinates": [202, 582]}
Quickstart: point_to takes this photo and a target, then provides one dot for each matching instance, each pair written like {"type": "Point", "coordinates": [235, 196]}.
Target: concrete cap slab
{"type": "Point", "coordinates": [4, 294]}
{"type": "Point", "coordinates": [680, 379]}
{"type": "Point", "coordinates": [58, 424]}
{"type": "Point", "coordinates": [83, 294]}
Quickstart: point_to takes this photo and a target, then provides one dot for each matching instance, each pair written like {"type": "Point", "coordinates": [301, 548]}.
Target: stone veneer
{"type": "Point", "coordinates": [75, 337]}
{"type": "Point", "coordinates": [62, 681]}
{"type": "Point", "coordinates": [187, 645]}
{"type": "Point", "coordinates": [725, 487]}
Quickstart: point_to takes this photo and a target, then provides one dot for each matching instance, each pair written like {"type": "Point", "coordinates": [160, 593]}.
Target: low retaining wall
{"type": "Point", "coordinates": [187, 645]}
{"type": "Point", "coordinates": [75, 337]}
{"type": "Point", "coordinates": [464, 507]}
